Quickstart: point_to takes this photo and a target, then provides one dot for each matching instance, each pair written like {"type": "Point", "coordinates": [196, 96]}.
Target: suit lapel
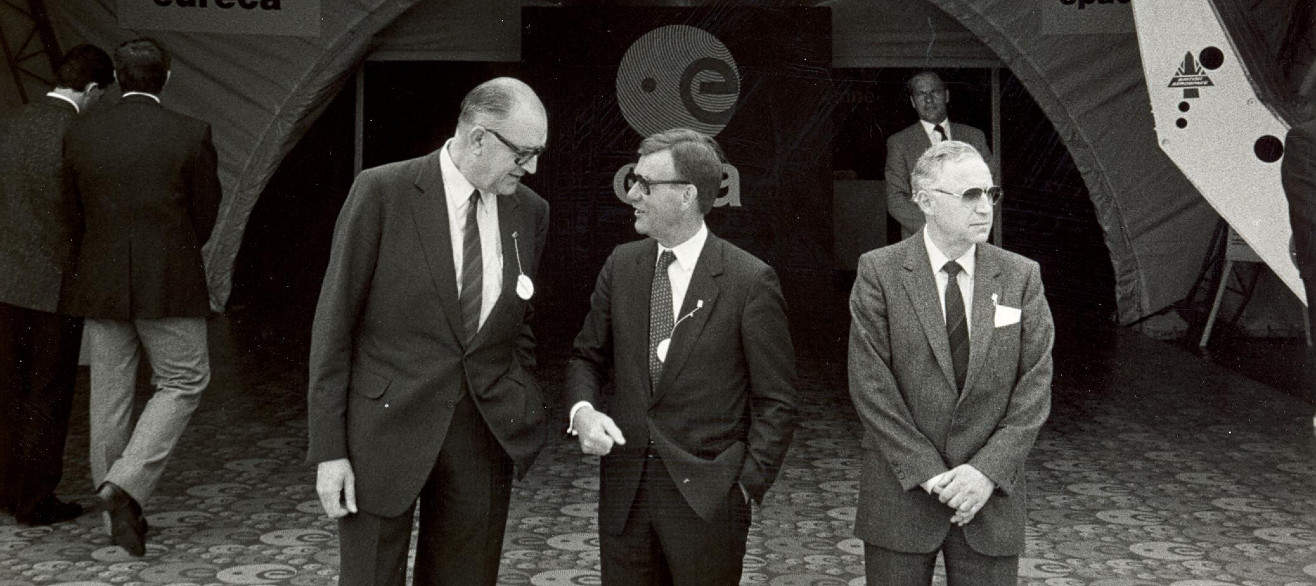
{"type": "Point", "coordinates": [986, 271]}
{"type": "Point", "coordinates": [430, 213]}
{"type": "Point", "coordinates": [922, 289]}
{"type": "Point", "coordinates": [704, 288]}
{"type": "Point", "coordinates": [636, 284]}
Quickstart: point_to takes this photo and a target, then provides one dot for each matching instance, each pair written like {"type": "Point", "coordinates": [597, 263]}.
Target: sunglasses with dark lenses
{"type": "Point", "coordinates": [971, 195]}
{"type": "Point", "coordinates": [646, 185]}
{"type": "Point", "coordinates": [522, 155]}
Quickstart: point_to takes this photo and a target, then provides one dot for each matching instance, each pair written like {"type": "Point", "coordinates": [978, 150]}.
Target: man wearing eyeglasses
{"type": "Point", "coordinates": [929, 97]}
{"type": "Point", "coordinates": [421, 357]}
{"type": "Point", "coordinates": [692, 331]}
{"type": "Point", "coordinates": [950, 372]}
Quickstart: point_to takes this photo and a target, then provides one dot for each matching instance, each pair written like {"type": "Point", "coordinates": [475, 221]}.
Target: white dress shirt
{"type": "Point", "coordinates": [58, 96]}
{"type": "Point", "coordinates": [680, 271]}
{"type": "Point", "coordinates": [938, 261]}
{"type": "Point", "coordinates": [929, 129]}
{"type": "Point", "coordinates": [458, 191]}
{"type": "Point", "coordinates": [152, 96]}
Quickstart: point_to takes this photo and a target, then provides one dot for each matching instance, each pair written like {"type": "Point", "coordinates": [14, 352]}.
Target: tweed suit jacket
{"type": "Point", "coordinates": [903, 150]}
{"type": "Point", "coordinates": [388, 357]}
{"type": "Point", "coordinates": [1298, 174]}
{"type": "Point", "coordinates": [723, 409]}
{"type": "Point", "coordinates": [38, 217]}
{"type": "Point", "coordinates": [916, 424]}
{"type": "Point", "coordinates": [147, 182]}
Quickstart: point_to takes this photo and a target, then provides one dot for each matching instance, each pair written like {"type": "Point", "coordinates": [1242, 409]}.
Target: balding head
{"type": "Point", "coordinates": [501, 130]}
{"type": "Point", "coordinates": [497, 99]}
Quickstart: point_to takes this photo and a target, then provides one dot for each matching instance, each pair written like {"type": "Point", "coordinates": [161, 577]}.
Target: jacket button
{"type": "Point", "coordinates": [386, 405]}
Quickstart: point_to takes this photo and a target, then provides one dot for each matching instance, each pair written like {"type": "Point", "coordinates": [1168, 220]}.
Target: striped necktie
{"type": "Point", "coordinates": [472, 270]}
{"type": "Point", "coordinates": [957, 327]}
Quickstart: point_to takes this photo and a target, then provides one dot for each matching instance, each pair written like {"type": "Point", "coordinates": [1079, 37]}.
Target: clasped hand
{"type": "Point", "coordinates": [597, 432]}
{"type": "Point", "coordinates": [962, 488]}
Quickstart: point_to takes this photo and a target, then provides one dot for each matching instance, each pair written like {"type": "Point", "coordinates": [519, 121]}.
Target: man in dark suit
{"type": "Point", "coordinates": [147, 183]}
{"type": "Point", "coordinates": [950, 371]}
{"type": "Point", "coordinates": [1298, 173]}
{"type": "Point", "coordinates": [701, 412]}
{"type": "Point", "coordinates": [38, 344]}
{"type": "Point", "coordinates": [420, 382]}
{"type": "Point", "coordinates": [929, 96]}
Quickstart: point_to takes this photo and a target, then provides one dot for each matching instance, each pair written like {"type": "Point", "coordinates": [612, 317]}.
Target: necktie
{"type": "Point", "coordinates": [941, 132]}
{"type": "Point", "coordinates": [472, 270]}
{"type": "Point", "coordinates": [957, 327]}
{"type": "Point", "coordinates": [660, 313]}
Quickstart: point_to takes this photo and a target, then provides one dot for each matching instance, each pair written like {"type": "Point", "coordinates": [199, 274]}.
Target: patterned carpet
{"type": "Point", "coordinates": [1156, 468]}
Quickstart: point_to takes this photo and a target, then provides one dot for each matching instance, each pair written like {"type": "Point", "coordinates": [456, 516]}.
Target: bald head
{"type": "Point", "coordinates": [497, 99]}
{"type": "Point", "coordinates": [501, 131]}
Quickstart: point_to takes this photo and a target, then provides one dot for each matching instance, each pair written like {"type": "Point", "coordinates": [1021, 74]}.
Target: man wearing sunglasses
{"type": "Point", "coordinates": [929, 97]}
{"type": "Point", "coordinates": [420, 384]}
{"type": "Point", "coordinates": [950, 371]}
{"type": "Point", "coordinates": [692, 332]}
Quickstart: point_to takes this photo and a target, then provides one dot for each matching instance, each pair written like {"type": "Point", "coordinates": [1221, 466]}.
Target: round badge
{"type": "Point", "coordinates": [662, 349]}
{"type": "Point", "coordinates": [524, 288]}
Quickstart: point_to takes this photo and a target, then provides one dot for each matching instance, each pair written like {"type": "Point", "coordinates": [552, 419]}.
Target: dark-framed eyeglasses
{"type": "Point", "coordinates": [522, 154]}
{"type": "Point", "coordinates": [971, 195]}
{"type": "Point", "coordinates": [646, 185]}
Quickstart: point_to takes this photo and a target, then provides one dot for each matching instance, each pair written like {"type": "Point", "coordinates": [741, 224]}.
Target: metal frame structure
{"type": "Point", "coordinates": [34, 26]}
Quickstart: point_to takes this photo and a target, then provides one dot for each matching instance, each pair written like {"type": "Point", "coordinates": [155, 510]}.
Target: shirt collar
{"type": "Point", "coordinates": [59, 96]}
{"type": "Point", "coordinates": [927, 127]}
{"type": "Point", "coordinates": [455, 185]}
{"type": "Point", "coordinates": [687, 253]}
{"type": "Point", "coordinates": [939, 260]}
{"type": "Point", "coordinates": [152, 96]}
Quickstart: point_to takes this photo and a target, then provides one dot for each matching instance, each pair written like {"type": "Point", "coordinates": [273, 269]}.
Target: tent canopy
{"type": "Point", "coordinates": [261, 93]}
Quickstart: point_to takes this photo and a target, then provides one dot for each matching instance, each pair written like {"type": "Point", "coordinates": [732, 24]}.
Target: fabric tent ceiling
{"type": "Point", "coordinates": [261, 94]}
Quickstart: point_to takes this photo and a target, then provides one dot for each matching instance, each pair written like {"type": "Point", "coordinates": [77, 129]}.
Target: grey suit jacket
{"type": "Point", "coordinates": [38, 216]}
{"type": "Point", "coordinates": [916, 424]}
{"type": "Point", "coordinates": [903, 150]}
{"type": "Point", "coordinates": [723, 410]}
{"type": "Point", "coordinates": [388, 358]}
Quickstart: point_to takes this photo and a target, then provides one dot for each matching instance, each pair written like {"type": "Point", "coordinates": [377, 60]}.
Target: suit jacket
{"type": "Point", "coordinates": [916, 424]}
{"type": "Point", "coordinates": [1298, 174]}
{"type": "Point", "coordinates": [38, 217]}
{"type": "Point", "coordinates": [388, 358]}
{"type": "Point", "coordinates": [149, 192]}
{"type": "Point", "coordinates": [723, 409]}
{"type": "Point", "coordinates": [903, 150]}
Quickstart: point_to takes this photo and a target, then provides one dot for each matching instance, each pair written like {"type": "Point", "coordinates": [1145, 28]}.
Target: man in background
{"type": "Point", "coordinates": [1298, 174]}
{"type": "Point", "coordinates": [691, 332]}
{"type": "Point", "coordinates": [147, 182]}
{"type": "Point", "coordinates": [929, 96]}
{"type": "Point", "coordinates": [950, 372]}
{"type": "Point", "coordinates": [38, 343]}
{"type": "Point", "coordinates": [421, 355]}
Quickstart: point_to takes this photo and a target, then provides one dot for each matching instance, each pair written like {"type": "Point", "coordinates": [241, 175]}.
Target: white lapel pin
{"type": "Point", "coordinates": [525, 288]}
{"type": "Point", "coordinates": [666, 343]}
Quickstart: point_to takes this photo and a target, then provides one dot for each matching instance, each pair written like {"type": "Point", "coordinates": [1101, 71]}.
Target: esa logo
{"type": "Point", "coordinates": [679, 76]}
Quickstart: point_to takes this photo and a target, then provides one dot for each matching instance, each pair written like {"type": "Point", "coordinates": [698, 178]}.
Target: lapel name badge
{"type": "Point", "coordinates": [525, 288]}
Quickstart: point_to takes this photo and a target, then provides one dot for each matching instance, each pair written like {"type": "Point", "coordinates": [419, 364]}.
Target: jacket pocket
{"type": "Point", "coordinates": [368, 384]}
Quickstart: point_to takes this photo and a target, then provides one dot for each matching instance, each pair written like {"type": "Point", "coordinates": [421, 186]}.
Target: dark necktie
{"type": "Point", "coordinates": [472, 270]}
{"type": "Point", "coordinates": [940, 131]}
{"type": "Point", "coordinates": [957, 327]}
{"type": "Point", "coordinates": [660, 313]}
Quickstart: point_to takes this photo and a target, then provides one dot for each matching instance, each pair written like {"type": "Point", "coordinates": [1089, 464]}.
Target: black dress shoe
{"type": "Point", "coordinates": [127, 526]}
{"type": "Point", "coordinates": [48, 511]}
